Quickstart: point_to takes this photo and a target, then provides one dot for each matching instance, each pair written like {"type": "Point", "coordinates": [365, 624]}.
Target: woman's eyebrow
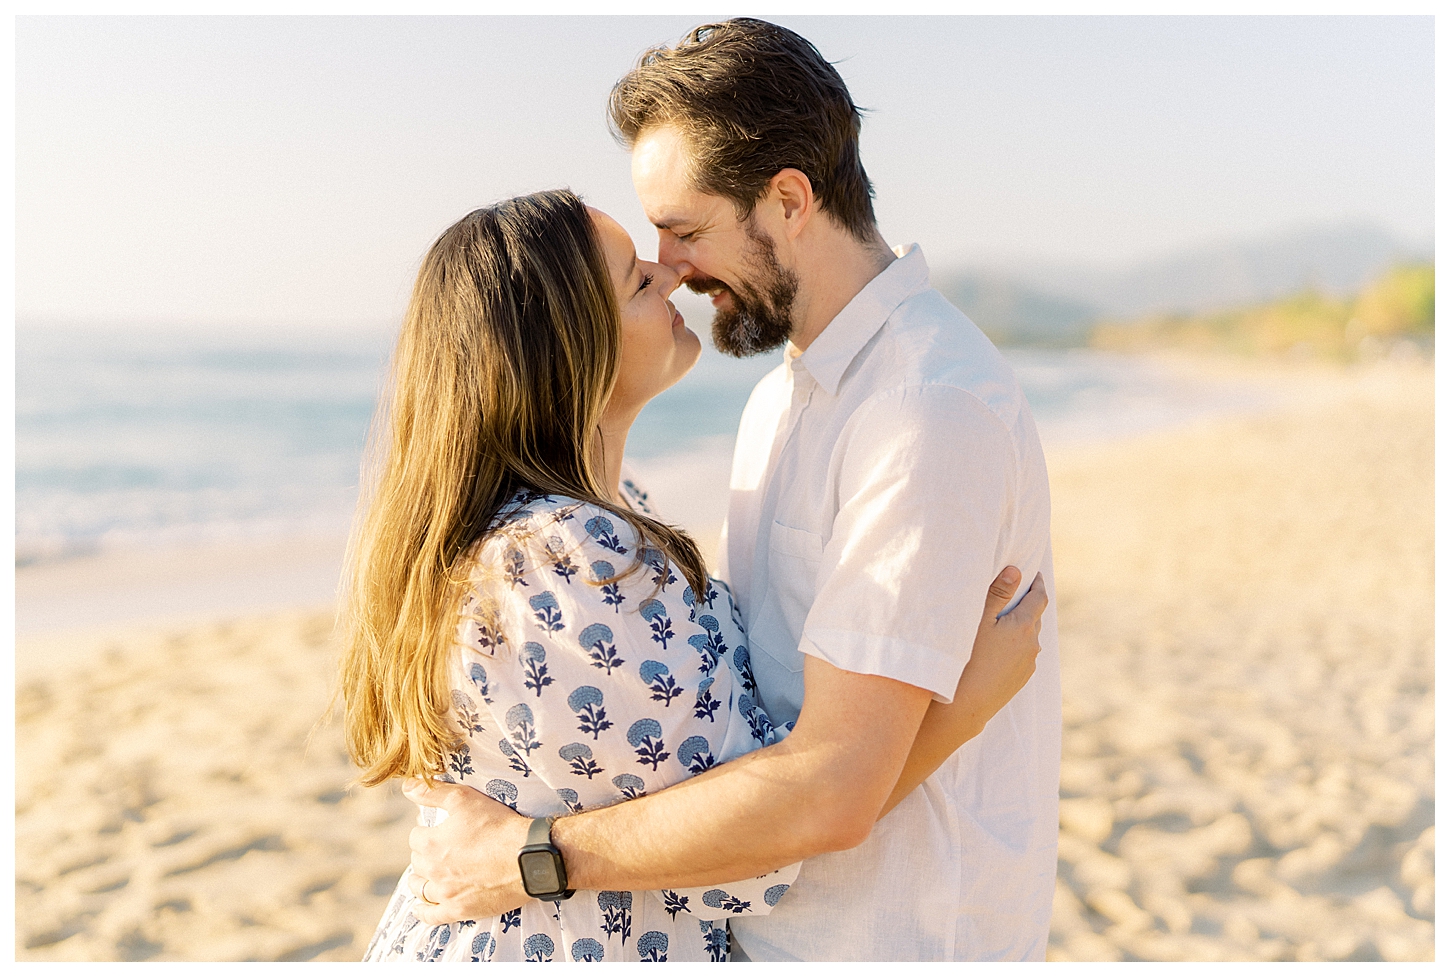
{"type": "Point", "coordinates": [630, 269]}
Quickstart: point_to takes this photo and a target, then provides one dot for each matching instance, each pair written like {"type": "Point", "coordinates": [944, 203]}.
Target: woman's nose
{"type": "Point", "coordinates": [667, 279]}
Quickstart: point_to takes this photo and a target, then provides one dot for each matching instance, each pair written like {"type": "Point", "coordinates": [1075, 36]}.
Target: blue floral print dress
{"type": "Point", "coordinates": [576, 688]}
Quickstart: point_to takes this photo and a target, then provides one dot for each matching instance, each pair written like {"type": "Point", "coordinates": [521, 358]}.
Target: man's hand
{"type": "Point", "coordinates": [470, 860]}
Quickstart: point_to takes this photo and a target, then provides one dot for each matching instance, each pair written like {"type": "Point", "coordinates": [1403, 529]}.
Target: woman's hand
{"type": "Point", "coordinates": [470, 860]}
{"type": "Point", "coordinates": [1004, 656]}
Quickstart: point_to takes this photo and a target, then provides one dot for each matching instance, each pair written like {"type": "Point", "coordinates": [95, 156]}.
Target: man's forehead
{"type": "Point", "coordinates": [660, 167]}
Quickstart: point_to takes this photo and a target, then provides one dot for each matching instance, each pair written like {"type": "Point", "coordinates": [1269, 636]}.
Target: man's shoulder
{"type": "Point", "coordinates": [931, 342]}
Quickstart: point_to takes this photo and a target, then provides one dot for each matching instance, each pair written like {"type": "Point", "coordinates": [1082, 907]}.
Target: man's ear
{"type": "Point", "coordinates": [792, 190]}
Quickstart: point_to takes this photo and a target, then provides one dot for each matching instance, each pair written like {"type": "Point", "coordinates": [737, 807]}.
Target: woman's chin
{"type": "Point", "coordinates": [689, 348]}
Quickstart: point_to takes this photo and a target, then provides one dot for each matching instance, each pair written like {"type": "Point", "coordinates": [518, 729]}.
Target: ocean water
{"type": "Point", "coordinates": [153, 437]}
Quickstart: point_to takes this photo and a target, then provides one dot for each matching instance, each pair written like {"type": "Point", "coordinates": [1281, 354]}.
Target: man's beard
{"type": "Point", "coordinates": [758, 317]}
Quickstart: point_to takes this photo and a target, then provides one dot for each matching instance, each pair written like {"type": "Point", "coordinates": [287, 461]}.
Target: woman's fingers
{"type": "Point", "coordinates": [999, 594]}
{"type": "Point", "coordinates": [1032, 605]}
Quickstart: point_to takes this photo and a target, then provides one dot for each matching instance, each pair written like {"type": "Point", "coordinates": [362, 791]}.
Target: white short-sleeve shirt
{"type": "Point", "coordinates": [881, 480]}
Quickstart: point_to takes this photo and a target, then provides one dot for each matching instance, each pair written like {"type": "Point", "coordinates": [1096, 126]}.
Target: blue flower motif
{"type": "Point", "coordinates": [616, 908]}
{"type": "Point", "coordinates": [604, 570]}
{"type": "Point", "coordinates": [570, 799]}
{"type": "Point", "coordinates": [438, 939]}
{"type": "Point", "coordinates": [758, 720]}
{"type": "Point", "coordinates": [720, 899]}
{"type": "Point", "coordinates": [717, 941]}
{"type": "Point", "coordinates": [587, 951]}
{"type": "Point", "coordinates": [468, 717]}
{"type": "Point", "coordinates": [546, 611]}
{"type": "Point", "coordinates": [710, 645]}
{"type": "Point", "coordinates": [515, 761]}
{"type": "Point", "coordinates": [664, 576]}
{"type": "Point", "coordinates": [689, 598]}
{"type": "Point", "coordinates": [536, 673]}
{"type": "Point", "coordinates": [585, 695]}
{"type": "Point", "coordinates": [598, 640]}
{"type": "Point", "coordinates": [459, 761]}
{"type": "Point", "coordinates": [705, 703]}
{"type": "Point", "coordinates": [520, 721]}
{"type": "Point", "coordinates": [503, 792]}
{"type": "Point", "coordinates": [563, 566]}
{"type": "Point", "coordinates": [652, 947]}
{"type": "Point", "coordinates": [588, 704]}
{"type": "Point", "coordinates": [641, 729]}
{"type": "Point", "coordinates": [645, 735]}
{"type": "Point", "coordinates": [603, 532]}
{"type": "Point", "coordinates": [773, 894]}
{"type": "Point", "coordinates": [513, 567]}
{"type": "Point", "coordinates": [479, 677]}
{"type": "Point", "coordinates": [483, 947]}
{"type": "Point", "coordinates": [629, 785]}
{"type": "Point", "coordinates": [490, 637]}
{"type": "Point", "coordinates": [694, 754]}
{"type": "Point", "coordinates": [661, 683]}
{"type": "Point", "coordinates": [659, 622]}
{"type": "Point", "coordinates": [581, 759]}
{"type": "Point", "coordinates": [674, 902]}
{"type": "Point", "coordinates": [742, 665]}
{"type": "Point", "coordinates": [538, 948]}
{"type": "Point", "coordinates": [511, 919]}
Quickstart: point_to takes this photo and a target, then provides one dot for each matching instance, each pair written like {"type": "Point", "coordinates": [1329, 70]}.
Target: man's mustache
{"type": "Point", "coordinates": [704, 286]}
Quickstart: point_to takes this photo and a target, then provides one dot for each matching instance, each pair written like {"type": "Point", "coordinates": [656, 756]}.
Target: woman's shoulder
{"type": "Point", "coordinates": [540, 518]}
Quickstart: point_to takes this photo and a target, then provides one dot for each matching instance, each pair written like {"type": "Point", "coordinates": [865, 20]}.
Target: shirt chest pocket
{"type": "Point", "coordinates": [794, 559]}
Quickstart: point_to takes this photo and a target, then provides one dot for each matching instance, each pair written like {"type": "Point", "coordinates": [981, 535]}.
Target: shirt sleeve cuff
{"type": "Point", "coordinates": [872, 654]}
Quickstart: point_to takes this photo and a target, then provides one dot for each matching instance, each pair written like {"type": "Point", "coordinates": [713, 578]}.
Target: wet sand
{"type": "Point", "coordinates": [1247, 643]}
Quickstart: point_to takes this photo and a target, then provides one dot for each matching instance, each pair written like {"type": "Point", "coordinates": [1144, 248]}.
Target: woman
{"type": "Point", "coordinates": [515, 622]}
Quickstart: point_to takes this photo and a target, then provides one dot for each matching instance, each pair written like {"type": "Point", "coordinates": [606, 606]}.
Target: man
{"type": "Point", "coordinates": [887, 468]}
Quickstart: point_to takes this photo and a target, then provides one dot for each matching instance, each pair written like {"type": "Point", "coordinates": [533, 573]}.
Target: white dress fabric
{"type": "Point", "coordinates": [574, 694]}
{"type": "Point", "coordinates": [882, 478]}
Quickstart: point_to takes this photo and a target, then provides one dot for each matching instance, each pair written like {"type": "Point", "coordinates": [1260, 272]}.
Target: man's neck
{"type": "Point", "coordinates": [832, 272]}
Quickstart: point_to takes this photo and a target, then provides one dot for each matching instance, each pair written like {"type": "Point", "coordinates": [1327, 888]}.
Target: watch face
{"type": "Point", "coordinates": [540, 872]}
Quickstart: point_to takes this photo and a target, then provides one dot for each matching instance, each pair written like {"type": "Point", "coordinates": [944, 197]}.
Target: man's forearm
{"type": "Point", "coordinates": [755, 814]}
{"type": "Point", "coordinates": [821, 789]}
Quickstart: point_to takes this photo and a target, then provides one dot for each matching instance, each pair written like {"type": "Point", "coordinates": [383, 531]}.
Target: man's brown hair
{"type": "Point", "coordinates": [752, 99]}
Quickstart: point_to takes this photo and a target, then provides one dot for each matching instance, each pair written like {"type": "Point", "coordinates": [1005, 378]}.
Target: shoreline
{"type": "Point", "coordinates": [189, 583]}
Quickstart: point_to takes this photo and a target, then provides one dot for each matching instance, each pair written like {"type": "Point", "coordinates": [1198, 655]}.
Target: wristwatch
{"type": "Point", "coordinates": [542, 865]}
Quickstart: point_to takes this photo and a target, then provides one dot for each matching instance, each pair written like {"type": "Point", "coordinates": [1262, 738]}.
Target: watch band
{"type": "Point", "coordinates": [539, 832]}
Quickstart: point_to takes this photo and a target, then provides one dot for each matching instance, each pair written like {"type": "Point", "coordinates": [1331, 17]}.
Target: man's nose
{"type": "Point", "coordinates": [672, 256]}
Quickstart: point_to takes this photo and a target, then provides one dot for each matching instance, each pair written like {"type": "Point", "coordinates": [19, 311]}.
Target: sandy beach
{"type": "Point", "coordinates": [1247, 622]}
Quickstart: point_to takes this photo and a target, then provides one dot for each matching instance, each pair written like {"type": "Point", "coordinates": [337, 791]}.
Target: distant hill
{"type": "Point", "coordinates": [1012, 313]}
{"type": "Point", "coordinates": [1058, 305]}
{"type": "Point", "coordinates": [1394, 312]}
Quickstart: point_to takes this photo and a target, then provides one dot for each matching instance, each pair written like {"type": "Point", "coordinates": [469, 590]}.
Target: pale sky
{"type": "Point", "coordinates": [292, 171]}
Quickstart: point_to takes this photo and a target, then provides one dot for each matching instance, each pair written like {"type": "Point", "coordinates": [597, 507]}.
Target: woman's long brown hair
{"type": "Point", "coordinates": [504, 364]}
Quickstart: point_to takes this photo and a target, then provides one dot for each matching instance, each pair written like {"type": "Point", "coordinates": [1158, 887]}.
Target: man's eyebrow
{"type": "Point", "coordinates": [668, 221]}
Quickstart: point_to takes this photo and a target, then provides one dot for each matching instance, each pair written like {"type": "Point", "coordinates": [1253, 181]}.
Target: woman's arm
{"type": "Point", "coordinates": [1004, 656]}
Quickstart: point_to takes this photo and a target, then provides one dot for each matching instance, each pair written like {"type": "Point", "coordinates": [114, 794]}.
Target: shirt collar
{"type": "Point", "coordinates": [833, 350]}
